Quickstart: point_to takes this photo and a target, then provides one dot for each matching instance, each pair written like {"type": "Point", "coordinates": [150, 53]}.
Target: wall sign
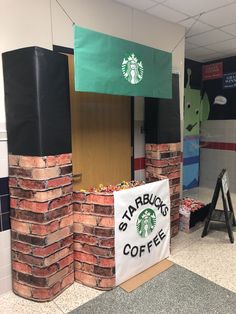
{"type": "Point", "coordinates": [229, 80]}
{"type": "Point", "coordinates": [212, 71]}
{"type": "Point", "coordinates": [142, 228]}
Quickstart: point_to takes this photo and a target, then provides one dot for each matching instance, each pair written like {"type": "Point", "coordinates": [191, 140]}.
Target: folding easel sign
{"type": "Point", "coordinates": [227, 214]}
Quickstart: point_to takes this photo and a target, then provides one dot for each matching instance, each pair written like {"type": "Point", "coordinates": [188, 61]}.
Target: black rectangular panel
{"type": "Point", "coordinates": [36, 85]}
{"type": "Point", "coordinates": [162, 117]}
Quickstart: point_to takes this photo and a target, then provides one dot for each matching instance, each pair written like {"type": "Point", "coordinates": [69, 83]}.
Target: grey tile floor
{"type": "Point", "coordinates": [212, 257]}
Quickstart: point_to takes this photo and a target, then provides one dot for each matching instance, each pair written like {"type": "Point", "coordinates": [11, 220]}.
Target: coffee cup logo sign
{"type": "Point", "coordinates": [146, 222]}
{"type": "Point", "coordinates": [142, 228]}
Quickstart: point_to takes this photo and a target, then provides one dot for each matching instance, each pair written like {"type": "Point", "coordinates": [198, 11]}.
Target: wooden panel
{"type": "Point", "coordinates": [101, 137]}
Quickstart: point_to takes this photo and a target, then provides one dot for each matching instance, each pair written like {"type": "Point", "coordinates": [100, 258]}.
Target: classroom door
{"type": "Point", "coordinates": [101, 137]}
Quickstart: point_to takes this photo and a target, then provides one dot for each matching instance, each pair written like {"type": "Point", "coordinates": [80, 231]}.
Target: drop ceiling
{"type": "Point", "coordinates": [210, 24]}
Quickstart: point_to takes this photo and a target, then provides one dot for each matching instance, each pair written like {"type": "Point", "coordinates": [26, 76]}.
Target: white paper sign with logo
{"type": "Point", "coordinates": [142, 228]}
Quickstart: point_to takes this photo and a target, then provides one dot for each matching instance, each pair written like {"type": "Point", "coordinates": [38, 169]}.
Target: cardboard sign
{"type": "Point", "coordinates": [212, 71]}
{"type": "Point", "coordinates": [142, 228]}
{"type": "Point", "coordinates": [229, 80]}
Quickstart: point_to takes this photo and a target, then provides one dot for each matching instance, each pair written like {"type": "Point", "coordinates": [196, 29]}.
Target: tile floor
{"type": "Point", "coordinates": [212, 257]}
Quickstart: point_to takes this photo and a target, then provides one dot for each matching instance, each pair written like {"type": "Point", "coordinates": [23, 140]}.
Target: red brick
{"type": "Point", "coordinates": [107, 242]}
{"type": "Point", "coordinates": [87, 208]}
{"type": "Point", "coordinates": [85, 238]}
{"type": "Point", "coordinates": [45, 271]}
{"type": "Point", "coordinates": [79, 197]}
{"type": "Point", "coordinates": [56, 288]}
{"type": "Point", "coordinates": [12, 182]}
{"type": "Point", "coordinates": [58, 235]}
{"type": "Point", "coordinates": [59, 181]}
{"type": "Point", "coordinates": [77, 246]}
{"type": "Point", "coordinates": [78, 228]}
{"type": "Point", "coordinates": [107, 283]}
{"type": "Point", "coordinates": [104, 210]}
{"type": "Point", "coordinates": [160, 163]}
{"type": "Point", "coordinates": [67, 241]}
{"type": "Point", "coordinates": [56, 257]}
{"type": "Point", "coordinates": [86, 258]}
{"type": "Point", "coordinates": [174, 217]}
{"type": "Point", "coordinates": [66, 261]}
{"type": "Point", "coordinates": [104, 271]}
{"type": "Point", "coordinates": [28, 259]}
{"type": "Point", "coordinates": [77, 207]}
{"type": "Point", "coordinates": [21, 247]}
{"type": "Point", "coordinates": [20, 172]}
{"type": "Point", "coordinates": [22, 290]}
{"type": "Point", "coordinates": [17, 192]}
{"type": "Point", "coordinates": [88, 268]}
{"type": "Point", "coordinates": [95, 250]}
{"type": "Point", "coordinates": [175, 147]}
{"type": "Point", "coordinates": [62, 201]}
{"type": "Point", "coordinates": [67, 189]}
{"type": "Point", "coordinates": [13, 160]}
{"type": "Point", "coordinates": [21, 267]}
{"type": "Point", "coordinates": [68, 280]}
{"type": "Point", "coordinates": [44, 229]}
{"type": "Point", "coordinates": [106, 262]}
{"type": "Point", "coordinates": [174, 175]}
{"type": "Point", "coordinates": [107, 222]}
{"type": "Point", "coordinates": [85, 219]}
{"type": "Point", "coordinates": [32, 162]}
{"type": "Point", "coordinates": [161, 147]}
{"type": "Point", "coordinates": [13, 202]}
{"type": "Point", "coordinates": [31, 184]}
{"type": "Point", "coordinates": [43, 196]}
{"type": "Point", "coordinates": [58, 276]}
{"type": "Point", "coordinates": [100, 199]}
{"type": "Point", "coordinates": [64, 159]}
{"type": "Point", "coordinates": [86, 279]}
{"type": "Point", "coordinates": [104, 232]}
{"type": "Point", "coordinates": [47, 250]}
{"type": "Point", "coordinates": [45, 173]}
{"type": "Point", "coordinates": [65, 170]}
{"type": "Point", "coordinates": [21, 227]}
{"type": "Point", "coordinates": [51, 161]}
{"type": "Point", "coordinates": [67, 221]}
{"type": "Point", "coordinates": [42, 294]}
{"type": "Point", "coordinates": [33, 206]}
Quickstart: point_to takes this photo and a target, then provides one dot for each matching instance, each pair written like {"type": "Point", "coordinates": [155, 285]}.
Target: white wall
{"type": "Point", "coordinates": [212, 161]}
{"type": "Point", "coordinates": [42, 23]}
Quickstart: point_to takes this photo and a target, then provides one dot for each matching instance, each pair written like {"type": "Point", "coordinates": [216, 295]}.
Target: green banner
{"type": "Point", "coordinates": [110, 65]}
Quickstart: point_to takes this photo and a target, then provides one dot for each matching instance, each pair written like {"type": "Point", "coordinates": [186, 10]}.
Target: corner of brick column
{"type": "Point", "coordinates": [42, 225]}
{"type": "Point", "coordinates": [94, 240]}
{"type": "Point", "coordinates": [165, 160]}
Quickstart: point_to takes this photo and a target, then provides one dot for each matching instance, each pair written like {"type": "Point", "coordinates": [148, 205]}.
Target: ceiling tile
{"type": "Point", "coordinates": [197, 28]}
{"type": "Point", "coordinates": [138, 4]}
{"type": "Point", "coordinates": [200, 51]}
{"type": "Point", "coordinates": [189, 46]}
{"type": "Point", "coordinates": [166, 13]}
{"type": "Point", "coordinates": [220, 17]}
{"type": "Point", "coordinates": [193, 7]}
{"type": "Point", "coordinates": [209, 37]}
{"type": "Point", "coordinates": [231, 29]}
{"type": "Point", "coordinates": [223, 46]}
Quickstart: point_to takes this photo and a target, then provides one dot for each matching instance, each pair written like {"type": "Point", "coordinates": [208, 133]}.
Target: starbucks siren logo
{"type": "Point", "coordinates": [146, 222]}
{"type": "Point", "coordinates": [132, 69]}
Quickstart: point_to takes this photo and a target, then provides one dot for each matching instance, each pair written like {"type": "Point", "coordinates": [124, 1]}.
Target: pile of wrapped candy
{"type": "Point", "coordinates": [124, 185]}
{"type": "Point", "coordinates": [187, 207]}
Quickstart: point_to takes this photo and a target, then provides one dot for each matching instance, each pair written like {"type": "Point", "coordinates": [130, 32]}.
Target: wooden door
{"type": "Point", "coordinates": [101, 137]}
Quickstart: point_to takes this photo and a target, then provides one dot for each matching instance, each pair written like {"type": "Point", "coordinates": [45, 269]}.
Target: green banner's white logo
{"type": "Point", "coordinates": [132, 69]}
{"type": "Point", "coordinates": [146, 222]}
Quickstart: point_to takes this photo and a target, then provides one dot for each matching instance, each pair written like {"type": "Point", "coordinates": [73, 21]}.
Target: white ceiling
{"type": "Point", "coordinates": [210, 24]}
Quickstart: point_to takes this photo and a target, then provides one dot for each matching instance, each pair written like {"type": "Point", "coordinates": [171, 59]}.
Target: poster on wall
{"type": "Point", "coordinates": [229, 80]}
{"type": "Point", "coordinates": [212, 71]}
{"type": "Point", "coordinates": [142, 228]}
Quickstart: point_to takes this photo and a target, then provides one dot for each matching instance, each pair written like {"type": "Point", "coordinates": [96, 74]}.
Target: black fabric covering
{"type": "Point", "coordinates": [162, 117]}
{"type": "Point", "coordinates": [37, 103]}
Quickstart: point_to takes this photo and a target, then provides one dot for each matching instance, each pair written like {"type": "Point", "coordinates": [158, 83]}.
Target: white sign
{"type": "Point", "coordinates": [142, 228]}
